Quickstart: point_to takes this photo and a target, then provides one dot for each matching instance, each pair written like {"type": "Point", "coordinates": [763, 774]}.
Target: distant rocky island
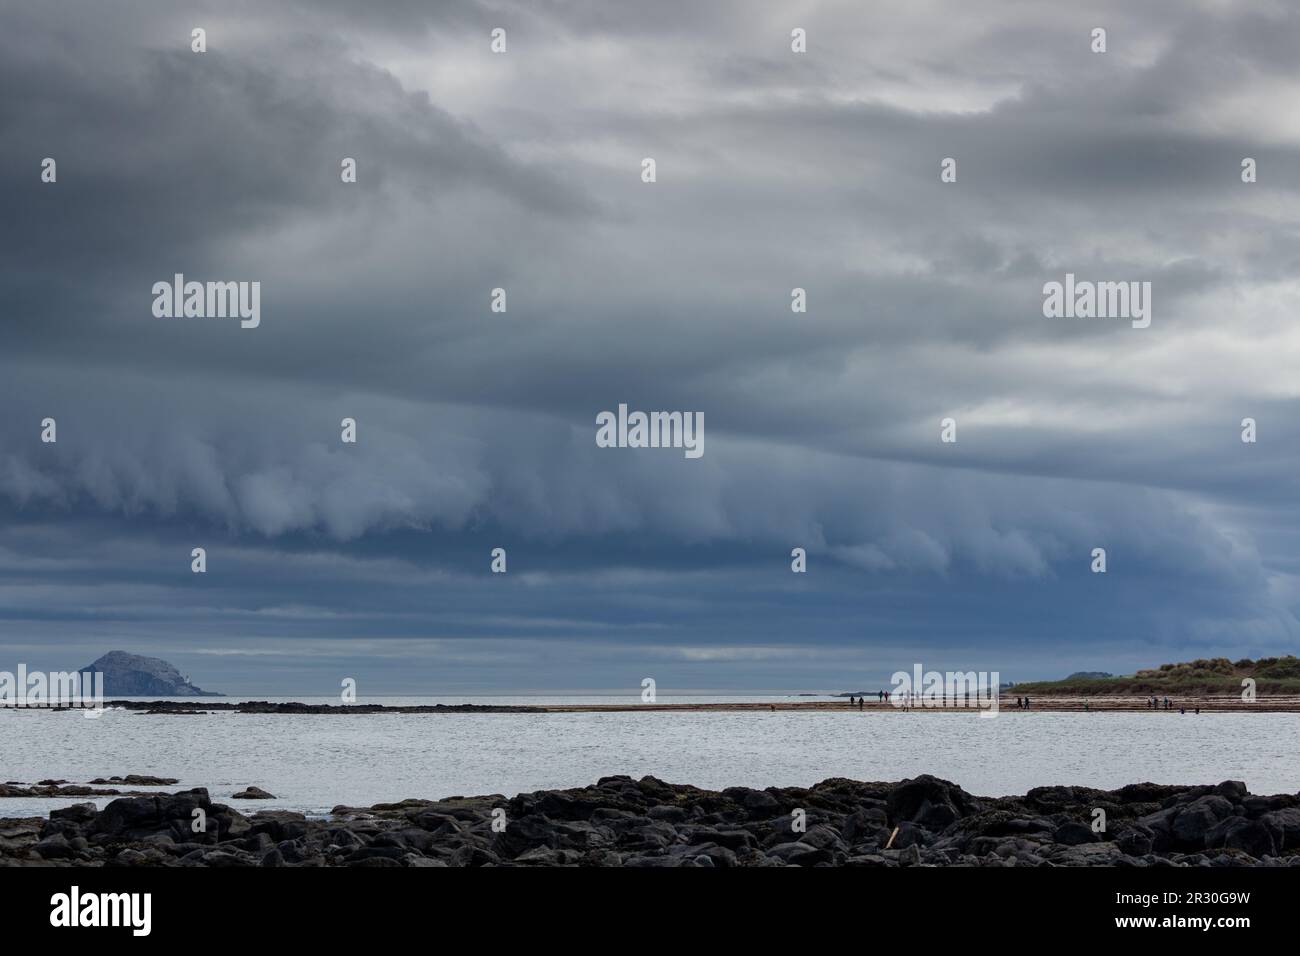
{"type": "Point", "coordinates": [131, 675]}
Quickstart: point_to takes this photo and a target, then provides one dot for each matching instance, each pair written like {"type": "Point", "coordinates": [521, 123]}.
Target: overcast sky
{"type": "Point", "coordinates": [476, 430]}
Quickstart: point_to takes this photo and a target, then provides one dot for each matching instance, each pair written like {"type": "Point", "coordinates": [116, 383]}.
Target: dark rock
{"type": "Point", "coordinates": [929, 801]}
{"type": "Point", "coordinates": [735, 839]}
{"type": "Point", "coordinates": [1288, 823]}
{"type": "Point", "coordinates": [474, 856]}
{"type": "Point", "coordinates": [1075, 834]}
{"type": "Point", "coordinates": [653, 836]}
{"type": "Point", "coordinates": [1092, 854]}
{"type": "Point", "coordinates": [344, 837]}
{"type": "Point", "coordinates": [799, 854]}
{"type": "Point", "coordinates": [864, 826]}
{"type": "Point", "coordinates": [668, 814]}
{"type": "Point", "coordinates": [138, 780]}
{"type": "Point", "coordinates": [252, 793]}
{"type": "Point", "coordinates": [1197, 818]}
{"type": "Point", "coordinates": [370, 852]}
{"type": "Point", "coordinates": [524, 834]}
{"type": "Point", "coordinates": [230, 824]}
{"type": "Point", "coordinates": [716, 855]}
{"type": "Point", "coordinates": [540, 856]}
{"type": "Point", "coordinates": [1135, 840]}
{"type": "Point", "coordinates": [77, 813]}
{"type": "Point", "coordinates": [759, 804]}
{"type": "Point", "coordinates": [1051, 797]}
{"type": "Point", "coordinates": [128, 813]}
{"type": "Point", "coordinates": [1262, 837]}
{"type": "Point", "coordinates": [1146, 792]}
{"type": "Point", "coordinates": [141, 816]}
{"type": "Point", "coordinates": [1233, 790]}
{"type": "Point", "coordinates": [909, 835]}
{"type": "Point", "coordinates": [601, 858]}
{"type": "Point", "coordinates": [54, 847]}
{"type": "Point", "coordinates": [279, 824]}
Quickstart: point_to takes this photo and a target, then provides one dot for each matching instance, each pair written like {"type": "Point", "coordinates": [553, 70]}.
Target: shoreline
{"type": "Point", "coordinates": [619, 821]}
{"type": "Point", "coordinates": [1006, 705]}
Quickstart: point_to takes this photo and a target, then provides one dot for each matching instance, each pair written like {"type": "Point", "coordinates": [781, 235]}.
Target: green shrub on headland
{"type": "Point", "coordinates": [1215, 676]}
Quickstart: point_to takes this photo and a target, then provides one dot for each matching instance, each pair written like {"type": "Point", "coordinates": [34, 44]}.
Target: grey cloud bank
{"type": "Point", "coordinates": [521, 171]}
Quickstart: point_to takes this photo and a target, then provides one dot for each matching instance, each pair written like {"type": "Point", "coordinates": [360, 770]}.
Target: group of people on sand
{"type": "Point", "coordinates": [1022, 703]}
{"type": "Point", "coordinates": [880, 696]}
{"type": "Point", "coordinates": [1155, 703]}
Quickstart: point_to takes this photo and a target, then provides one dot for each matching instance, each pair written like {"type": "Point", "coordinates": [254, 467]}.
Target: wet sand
{"type": "Point", "coordinates": [1007, 704]}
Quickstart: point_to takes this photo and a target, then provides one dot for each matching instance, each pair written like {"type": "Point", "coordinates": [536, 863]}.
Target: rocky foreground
{"type": "Point", "coordinates": [626, 822]}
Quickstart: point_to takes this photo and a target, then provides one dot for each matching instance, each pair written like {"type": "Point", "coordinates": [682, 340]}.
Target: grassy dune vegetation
{"type": "Point", "coordinates": [1218, 675]}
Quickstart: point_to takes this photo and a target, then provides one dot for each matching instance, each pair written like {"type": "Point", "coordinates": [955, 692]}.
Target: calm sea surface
{"type": "Point", "coordinates": [312, 763]}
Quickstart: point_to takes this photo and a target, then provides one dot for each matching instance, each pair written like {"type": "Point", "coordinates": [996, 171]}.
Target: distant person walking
{"type": "Point", "coordinates": [861, 702]}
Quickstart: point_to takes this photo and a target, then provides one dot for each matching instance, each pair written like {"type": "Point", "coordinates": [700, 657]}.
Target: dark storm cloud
{"type": "Point", "coordinates": [165, 153]}
{"type": "Point", "coordinates": [476, 429]}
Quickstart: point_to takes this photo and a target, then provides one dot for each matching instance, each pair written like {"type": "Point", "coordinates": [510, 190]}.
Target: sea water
{"type": "Point", "coordinates": [314, 762]}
